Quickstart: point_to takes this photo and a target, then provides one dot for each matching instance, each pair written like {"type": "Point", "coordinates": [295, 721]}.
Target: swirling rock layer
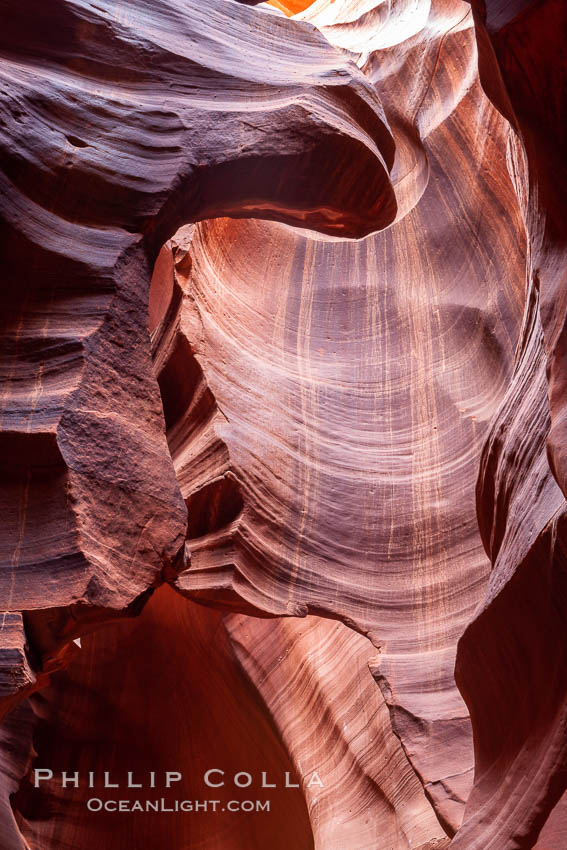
{"type": "Point", "coordinates": [516, 642]}
{"type": "Point", "coordinates": [282, 420]}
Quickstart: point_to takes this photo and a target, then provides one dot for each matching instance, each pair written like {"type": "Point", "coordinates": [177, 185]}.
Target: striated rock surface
{"type": "Point", "coordinates": [516, 644]}
{"type": "Point", "coordinates": [371, 796]}
{"type": "Point", "coordinates": [351, 494]}
{"type": "Point", "coordinates": [103, 159]}
{"type": "Point", "coordinates": [282, 420]}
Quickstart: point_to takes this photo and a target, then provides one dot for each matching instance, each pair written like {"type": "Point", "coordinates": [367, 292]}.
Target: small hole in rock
{"type": "Point", "coordinates": [76, 142]}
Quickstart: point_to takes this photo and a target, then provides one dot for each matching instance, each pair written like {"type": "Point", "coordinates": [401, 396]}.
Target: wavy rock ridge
{"type": "Point", "coordinates": [284, 338]}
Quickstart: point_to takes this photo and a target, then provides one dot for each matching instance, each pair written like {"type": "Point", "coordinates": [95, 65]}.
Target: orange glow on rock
{"type": "Point", "coordinates": [291, 7]}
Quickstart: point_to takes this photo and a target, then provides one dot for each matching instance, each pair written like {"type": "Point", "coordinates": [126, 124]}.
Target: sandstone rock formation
{"type": "Point", "coordinates": [283, 417]}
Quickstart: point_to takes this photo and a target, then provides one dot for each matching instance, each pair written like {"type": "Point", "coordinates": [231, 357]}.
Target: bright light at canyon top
{"type": "Point", "coordinates": [291, 7]}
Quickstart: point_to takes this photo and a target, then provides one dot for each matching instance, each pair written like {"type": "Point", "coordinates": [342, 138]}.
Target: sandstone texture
{"type": "Point", "coordinates": [283, 421]}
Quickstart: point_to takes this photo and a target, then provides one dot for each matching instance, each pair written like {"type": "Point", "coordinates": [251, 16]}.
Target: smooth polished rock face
{"type": "Point", "coordinates": [283, 415]}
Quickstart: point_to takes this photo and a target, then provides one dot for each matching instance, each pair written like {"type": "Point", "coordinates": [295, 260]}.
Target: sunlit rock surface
{"type": "Point", "coordinates": [283, 416]}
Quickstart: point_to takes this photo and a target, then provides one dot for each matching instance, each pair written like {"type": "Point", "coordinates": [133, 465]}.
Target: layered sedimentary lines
{"type": "Point", "coordinates": [368, 795]}
{"type": "Point", "coordinates": [351, 492]}
{"type": "Point", "coordinates": [117, 128]}
{"type": "Point", "coordinates": [343, 232]}
{"type": "Point", "coordinates": [516, 643]}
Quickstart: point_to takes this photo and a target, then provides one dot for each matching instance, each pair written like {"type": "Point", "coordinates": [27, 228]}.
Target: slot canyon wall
{"type": "Point", "coordinates": [283, 416]}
